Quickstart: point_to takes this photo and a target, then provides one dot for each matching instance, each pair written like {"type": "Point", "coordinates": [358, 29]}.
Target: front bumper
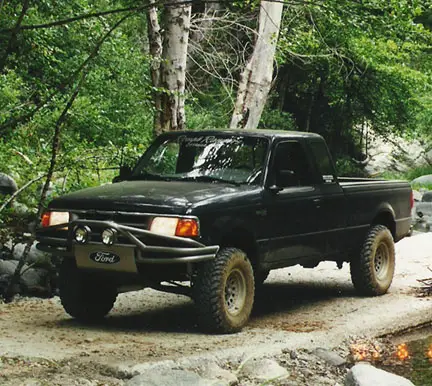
{"type": "Point", "coordinates": [150, 248]}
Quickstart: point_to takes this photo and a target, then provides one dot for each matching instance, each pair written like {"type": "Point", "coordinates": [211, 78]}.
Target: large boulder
{"type": "Point", "coordinates": [393, 153]}
{"type": "Point", "coordinates": [32, 280]}
{"type": "Point", "coordinates": [427, 196]}
{"type": "Point", "coordinates": [7, 267]}
{"type": "Point", "coordinates": [35, 256]}
{"type": "Point", "coordinates": [364, 374]}
{"type": "Point", "coordinates": [7, 184]}
{"type": "Point", "coordinates": [423, 180]}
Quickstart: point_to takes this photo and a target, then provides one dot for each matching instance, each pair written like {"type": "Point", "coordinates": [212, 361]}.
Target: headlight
{"type": "Point", "coordinates": [82, 234]}
{"type": "Point", "coordinates": [173, 226]}
{"type": "Point", "coordinates": [54, 218]}
{"type": "Point", "coordinates": [109, 236]}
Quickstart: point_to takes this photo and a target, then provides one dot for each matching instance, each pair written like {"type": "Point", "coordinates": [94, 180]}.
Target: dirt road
{"type": "Point", "coordinates": [298, 308]}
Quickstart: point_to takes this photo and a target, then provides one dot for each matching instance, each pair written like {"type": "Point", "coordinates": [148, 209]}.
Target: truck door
{"type": "Point", "coordinates": [290, 200]}
{"type": "Point", "coordinates": [332, 205]}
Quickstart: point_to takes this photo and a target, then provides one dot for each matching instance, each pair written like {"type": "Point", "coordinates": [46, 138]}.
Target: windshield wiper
{"type": "Point", "coordinates": [209, 179]}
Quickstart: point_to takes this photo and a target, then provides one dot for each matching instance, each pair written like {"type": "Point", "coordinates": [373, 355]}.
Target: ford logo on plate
{"type": "Point", "coordinates": [104, 257]}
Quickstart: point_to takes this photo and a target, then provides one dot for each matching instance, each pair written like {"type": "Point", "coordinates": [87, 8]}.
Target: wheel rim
{"type": "Point", "coordinates": [382, 261]}
{"type": "Point", "coordinates": [235, 292]}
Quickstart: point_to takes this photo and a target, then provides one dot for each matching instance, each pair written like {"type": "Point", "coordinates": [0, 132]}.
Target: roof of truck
{"type": "Point", "coordinates": [243, 132]}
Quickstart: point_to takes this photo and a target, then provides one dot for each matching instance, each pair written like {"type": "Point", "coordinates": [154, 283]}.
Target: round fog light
{"type": "Point", "coordinates": [82, 234]}
{"type": "Point", "coordinates": [109, 236]}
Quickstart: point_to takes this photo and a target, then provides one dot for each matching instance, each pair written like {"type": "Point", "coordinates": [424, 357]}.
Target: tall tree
{"type": "Point", "coordinates": [257, 76]}
{"type": "Point", "coordinates": [169, 70]}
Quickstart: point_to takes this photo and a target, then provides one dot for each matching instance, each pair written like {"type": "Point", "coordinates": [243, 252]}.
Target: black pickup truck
{"type": "Point", "coordinates": [209, 214]}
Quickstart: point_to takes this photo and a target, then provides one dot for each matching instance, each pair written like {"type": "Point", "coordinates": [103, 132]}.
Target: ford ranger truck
{"type": "Point", "coordinates": [209, 214]}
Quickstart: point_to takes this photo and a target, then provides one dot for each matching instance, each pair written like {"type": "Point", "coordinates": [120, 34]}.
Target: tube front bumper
{"type": "Point", "coordinates": [150, 248]}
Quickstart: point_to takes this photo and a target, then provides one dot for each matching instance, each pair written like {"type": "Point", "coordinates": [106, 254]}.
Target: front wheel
{"type": "Point", "coordinates": [372, 273]}
{"type": "Point", "coordinates": [224, 292]}
{"type": "Point", "coordinates": [84, 296]}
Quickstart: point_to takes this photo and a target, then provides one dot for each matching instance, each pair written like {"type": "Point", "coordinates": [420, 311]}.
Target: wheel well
{"type": "Point", "coordinates": [244, 240]}
{"type": "Point", "coordinates": [386, 218]}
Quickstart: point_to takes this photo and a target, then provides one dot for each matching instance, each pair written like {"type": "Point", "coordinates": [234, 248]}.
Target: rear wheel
{"type": "Point", "coordinates": [84, 296]}
{"type": "Point", "coordinates": [372, 273]}
{"type": "Point", "coordinates": [224, 292]}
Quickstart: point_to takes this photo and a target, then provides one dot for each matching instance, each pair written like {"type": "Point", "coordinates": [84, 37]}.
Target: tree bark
{"type": "Point", "coordinates": [256, 79]}
{"type": "Point", "coordinates": [173, 66]}
{"type": "Point", "coordinates": [155, 43]}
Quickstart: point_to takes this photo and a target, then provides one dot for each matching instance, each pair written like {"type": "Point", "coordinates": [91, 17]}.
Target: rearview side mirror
{"type": "Point", "coordinates": [124, 173]}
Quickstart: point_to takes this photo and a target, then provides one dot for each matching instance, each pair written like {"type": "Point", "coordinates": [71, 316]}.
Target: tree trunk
{"type": "Point", "coordinates": [173, 65]}
{"type": "Point", "coordinates": [155, 42]}
{"type": "Point", "coordinates": [256, 79]}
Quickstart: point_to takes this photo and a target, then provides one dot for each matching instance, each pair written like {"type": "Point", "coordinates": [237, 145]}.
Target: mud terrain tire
{"type": "Point", "coordinates": [224, 292]}
{"type": "Point", "coordinates": [84, 296]}
{"type": "Point", "coordinates": [372, 273]}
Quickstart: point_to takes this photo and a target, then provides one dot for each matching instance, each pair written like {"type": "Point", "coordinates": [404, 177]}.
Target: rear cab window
{"type": "Point", "coordinates": [323, 162]}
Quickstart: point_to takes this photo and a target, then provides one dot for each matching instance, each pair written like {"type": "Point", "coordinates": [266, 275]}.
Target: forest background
{"type": "Point", "coordinates": [85, 85]}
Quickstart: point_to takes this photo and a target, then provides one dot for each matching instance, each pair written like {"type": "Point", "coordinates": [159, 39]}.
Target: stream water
{"type": "Point", "coordinates": [413, 356]}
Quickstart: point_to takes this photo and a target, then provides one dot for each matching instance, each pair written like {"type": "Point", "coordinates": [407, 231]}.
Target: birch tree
{"type": "Point", "coordinates": [256, 78]}
{"type": "Point", "coordinates": [169, 63]}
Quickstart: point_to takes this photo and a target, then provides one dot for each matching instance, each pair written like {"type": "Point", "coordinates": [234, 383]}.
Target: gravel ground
{"type": "Point", "coordinates": [297, 309]}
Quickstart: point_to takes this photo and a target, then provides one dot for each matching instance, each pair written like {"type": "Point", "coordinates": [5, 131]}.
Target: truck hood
{"type": "Point", "coordinates": [177, 197]}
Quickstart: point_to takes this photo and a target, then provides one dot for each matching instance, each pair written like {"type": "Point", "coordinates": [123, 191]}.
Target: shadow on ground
{"type": "Point", "coordinates": [273, 299]}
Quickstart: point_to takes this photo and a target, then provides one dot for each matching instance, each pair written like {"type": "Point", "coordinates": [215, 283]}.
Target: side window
{"type": "Point", "coordinates": [291, 165]}
{"type": "Point", "coordinates": [165, 159]}
{"type": "Point", "coordinates": [323, 162]}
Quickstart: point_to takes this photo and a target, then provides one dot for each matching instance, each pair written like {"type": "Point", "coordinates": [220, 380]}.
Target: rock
{"type": "Point", "coordinates": [168, 377]}
{"type": "Point", "coordinates": [423, 209]}
{"type": "Point", "coordinates": [19, 208]}
{"type": "Point", "coordinates": [4, 283]}
{"type": "Point", "coordinates": [34, 279]}
{"type": "Point", "coordinates": [35, 256]}
{"type": "Point", "coordinates": [213, 372]}
{"type": "Point", "coordinates": [423, 180]}
{"type": "Point", "coordinates": [393, 153]}
{"type": "Point", "coordinates": [7, 184]}
{"type": "Point", "coordinates": [417, 195]}
{"type": "Point", "coordinates": [427, 197]}
{"type": "Point", "coordinates": [364, 374]}
{"type": "Point", "coordinates": [329, 356]}
{"type": "Point", "coordinates": [7, 267]}
{"type": "Point", "coordinates": [263, 369]}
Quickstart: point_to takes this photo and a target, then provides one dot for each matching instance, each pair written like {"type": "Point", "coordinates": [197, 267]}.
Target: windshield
{"type": "Point", "coordinates": [206, 158]}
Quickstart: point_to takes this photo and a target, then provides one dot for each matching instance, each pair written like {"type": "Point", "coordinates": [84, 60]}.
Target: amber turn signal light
{"type": "Point", "coordinates": [45, 219]}
{"type": "Point", "coordinates": [187, 227]}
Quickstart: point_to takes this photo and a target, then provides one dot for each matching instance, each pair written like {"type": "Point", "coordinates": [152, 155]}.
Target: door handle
{"type": "Point", "coordinates": [317, 202]}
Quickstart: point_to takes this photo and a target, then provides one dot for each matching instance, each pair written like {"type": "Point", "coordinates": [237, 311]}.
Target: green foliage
{"type": "Point", "coordinates": [276, 120]}
{"type": "Point", "coordinates": [109, 123]}
{"type": "Point", "coordinates": [345, 167]}
{"type": "Point", "coordinates": [342, 66]}
{"type": "Point", "coordinates": [411, 175]}
{"type": "Point", "coordinates": [345, 64]}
